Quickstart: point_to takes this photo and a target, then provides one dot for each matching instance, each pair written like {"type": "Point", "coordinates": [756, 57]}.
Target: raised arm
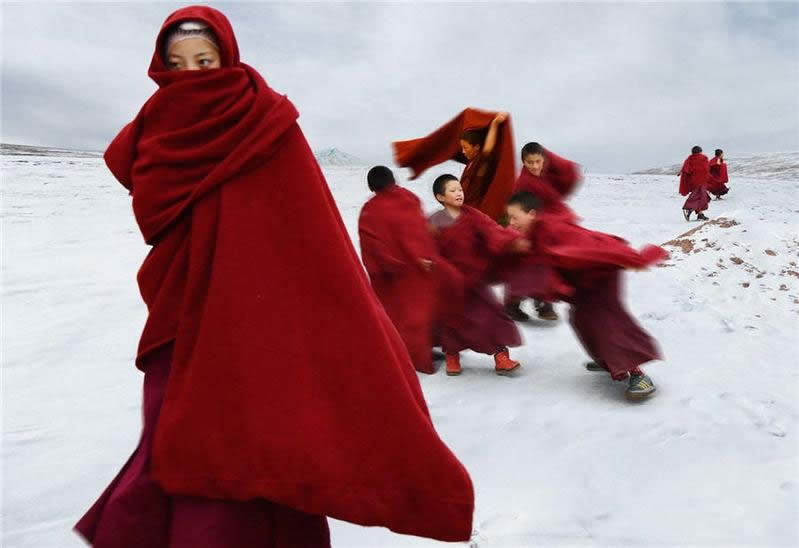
{"type": "Point", "coordinates": [491, 138]}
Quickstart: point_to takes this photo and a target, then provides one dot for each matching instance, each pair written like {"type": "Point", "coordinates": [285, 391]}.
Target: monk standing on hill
{"type": "Point", "coordinates": [718, 175]}
{"type": "Point", "coordinates": [694, 178]}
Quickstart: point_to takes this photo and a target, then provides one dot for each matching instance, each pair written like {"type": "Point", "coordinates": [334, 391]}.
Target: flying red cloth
{"type": "Point", "coordinates": [444, 144]}
{"type": "Point", "coordinates": [557, 181]}
{"type": "Point", "coordinates": [695, 173]}
{"type": "Point", "coordinates": [394, 235]}
{"type": "Point", "coordinates": [564, 245]}
{"type": "Point", "coordinates": [288, 380]}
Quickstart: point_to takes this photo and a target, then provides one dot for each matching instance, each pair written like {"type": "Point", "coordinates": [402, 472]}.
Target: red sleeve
{"type": "Point", "coordinates": [573, 247]}
{"type": "Point", "coordinates": [413, 237]}
{"type": "Point", "coordinates": [495, 237]}
{"type": "Point", "coordinates": [562, 174]}
{"type": "Point", "coordinates": [375, 253]}
{"type": "Point", "coordinates": [685, 178]}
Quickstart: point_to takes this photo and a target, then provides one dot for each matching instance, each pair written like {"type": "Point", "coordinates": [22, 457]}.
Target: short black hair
{"type": "Point", "coordinates": [719, 152]}
{"type": "Point", "coordinates": [473, 136]}
{"type": "Point", "coordinates": [379, 177]}
{"type": "Point", "coordinates": [440, 184]}
{"type": "Point", "coordinates": [525, 200]}
{"type": "Point", "coordinates": [696, 150]}
{"type": "Point", "coordinates": [532, 148]}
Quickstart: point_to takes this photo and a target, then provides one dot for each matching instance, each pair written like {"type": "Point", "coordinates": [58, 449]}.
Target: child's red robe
{"type": "Point", "coordinates": [472, 243]}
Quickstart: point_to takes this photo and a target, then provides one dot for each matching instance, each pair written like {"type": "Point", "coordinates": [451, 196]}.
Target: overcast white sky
{"type": "Point", "coordinates": [614, 86]}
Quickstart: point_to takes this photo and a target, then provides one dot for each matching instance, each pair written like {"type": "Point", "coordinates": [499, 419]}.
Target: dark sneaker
{"type": "Point", "coordinates": [547, 312]}
{"type": "Point", "coordinates": [515, 313]}
{"type": "Point", "coordinates": [641, 387]}
{"type": "Point", "coordinates": [438, 356]}
{"type": "Point", "coordinates": [687, 214]}
{"type": "Point", "coordinates": [701, 217]}
{"type": "Point", "coordinates": [595, 366]}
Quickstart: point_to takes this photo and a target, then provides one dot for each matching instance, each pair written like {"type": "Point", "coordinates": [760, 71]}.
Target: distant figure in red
{"type": "Point", "coordinates": [259, 419]}
{"type": "Point", "coordinates": [480, 139]}
{"type": "Point", "coordinates": [694, 179]}
{"type": "Point", "coordinates": [585, 267]}
{"type": "Point", "coordinates": [718, 175]}
{"type": "Point", "coordinates": [552, 179]}
{"type": "Point", "coordinates": [400, 255]}
{"type": "Point", "coordinates": [471, 241]}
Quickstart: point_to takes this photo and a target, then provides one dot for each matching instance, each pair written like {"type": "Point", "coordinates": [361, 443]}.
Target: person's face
{"type": "Point", "coordinates": [469, 150]}
{"type": "Point", "coordinates": [534, 163]}
{"type": "Point", "coordinates": [453, 194]}
{"type": "Point", "coordinates": [193, 54]}
{"type": "Point", "coordinates": [520, 219]}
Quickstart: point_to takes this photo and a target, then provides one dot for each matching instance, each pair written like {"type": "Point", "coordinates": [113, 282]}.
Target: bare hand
{"type": "Point", "coordinates": [426, 264]}
{"type": "Point", "coordinates": [522, 245]}
{"type": "Point", "coordinates": [501, 117]}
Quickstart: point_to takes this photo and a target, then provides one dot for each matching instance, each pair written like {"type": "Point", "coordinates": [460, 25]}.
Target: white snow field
{"type": "Point", "coordinates": [557, 455]}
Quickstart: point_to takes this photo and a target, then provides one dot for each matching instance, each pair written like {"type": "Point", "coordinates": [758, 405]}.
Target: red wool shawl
{"type": "Point", "coordinates": [288, 380]}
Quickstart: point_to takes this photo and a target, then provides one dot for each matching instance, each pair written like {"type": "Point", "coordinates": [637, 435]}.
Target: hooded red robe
{"type": "Point", "coordinates": [718, 177]}
{"type": "Point", "coordinates": [394, 235]}
{"type": "Point", "coordinates": [321, 412]}
{"type": "Point", "coordinates": [584, 271]}
{"type": "Point", "coordinates": [472, 243]}
{"type": "Point", "coordinates": [694, 177]}
{"type": "Point", "coordinates": [487, 192]}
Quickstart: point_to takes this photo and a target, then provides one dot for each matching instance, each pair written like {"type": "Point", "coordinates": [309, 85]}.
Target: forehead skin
{"type": "Point", "coordinates": [192, 47]}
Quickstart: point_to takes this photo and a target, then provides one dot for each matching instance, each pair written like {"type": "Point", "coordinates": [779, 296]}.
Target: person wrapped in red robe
{"type": "Point", "coordinates": [409, 277]}
{"type": "Point", "coordinates": [552, 179]}
{"type": "Point", "coordinates": [718, 175]}
{"type": "Point", "coordinates": [472, 241]}
{"type": "Point", "coordinates": [694, 178]}
{"type": "Point", "coordinates": [585, 272]}
{"type": "Point", "coordinates": [481, 140]}
{"type": "Point", "coordinates": [260, 419]}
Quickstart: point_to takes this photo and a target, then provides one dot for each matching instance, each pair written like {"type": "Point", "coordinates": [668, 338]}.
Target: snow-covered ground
{"type": "Point", "coordinates": [558, 457]}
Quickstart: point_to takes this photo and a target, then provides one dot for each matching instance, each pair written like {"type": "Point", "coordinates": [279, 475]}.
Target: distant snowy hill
{"type": "Point", "coordinates": [7, 149]}
{"type": "Point", "coordinates": [767, 165]}
{"type": "Point", "coordinates": [336, 157]}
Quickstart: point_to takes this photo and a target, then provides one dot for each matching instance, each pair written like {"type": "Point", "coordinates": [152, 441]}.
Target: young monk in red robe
{"type": "Point", "coordinates": [481, 140]}
{"type": "Point", "coordinates": [694, 178]}
{"type": "Point", "coordinates": [718, 175]}
{"type": "Point", "coordinates": [259, 419]}
{"type": "Point", "coordinates": [471, 241]}
{"type": "Point", "coordinates": [585, 267]}
{"type": "Point", "coordinates": [403, 263]}
{"type": "Point", "coordinates": [552, 179]}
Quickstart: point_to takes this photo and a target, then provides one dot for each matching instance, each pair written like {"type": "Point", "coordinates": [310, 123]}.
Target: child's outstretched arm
{"type": "Point", "coordinates": [491, 139]}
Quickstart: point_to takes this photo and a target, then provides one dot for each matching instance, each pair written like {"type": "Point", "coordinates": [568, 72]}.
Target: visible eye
{"type": "Point", "coordinates": [205, 62]}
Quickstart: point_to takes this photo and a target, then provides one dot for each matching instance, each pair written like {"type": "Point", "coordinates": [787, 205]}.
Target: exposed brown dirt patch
{"type": "Point", "coordinates": [685, 244]}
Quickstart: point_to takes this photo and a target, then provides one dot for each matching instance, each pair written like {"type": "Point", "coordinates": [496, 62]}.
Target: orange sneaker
{"type": "Point", "coordinates": [453, 364]}
{"type": "Point", "coordinates": [504, 365]}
